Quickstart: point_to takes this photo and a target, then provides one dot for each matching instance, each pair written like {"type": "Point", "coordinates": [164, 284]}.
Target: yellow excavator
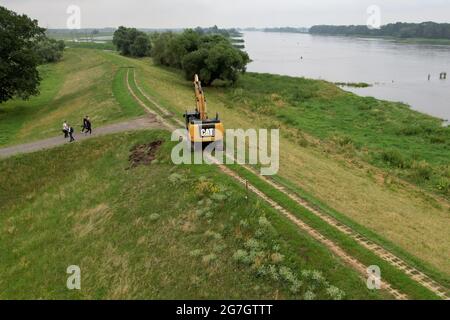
{"type": "Point", "coordinates": [200, 128]}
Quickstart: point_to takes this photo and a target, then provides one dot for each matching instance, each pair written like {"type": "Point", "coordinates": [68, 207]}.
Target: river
{"type": "Point", "coordinates": [397, 71]}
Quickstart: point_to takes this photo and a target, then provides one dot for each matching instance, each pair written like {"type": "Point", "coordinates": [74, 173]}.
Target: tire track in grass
{"type": "Point", "coordinates": [333, 247]}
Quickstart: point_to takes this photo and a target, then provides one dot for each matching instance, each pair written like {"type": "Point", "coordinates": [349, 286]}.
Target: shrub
{"type": "Point", "coordinates": [306, 274]}
{"type": "Point", "coordinates": [219, 197]}
{"type": "Point", "coordinates": [309, 295]}
{"type": "Point", "coordinates": [276, 257]}
{"type": "Point", "coordinates": [287, 274]}
{"type": "Point", "coordinates": [317, 277]}
{"type": "Point", "coordinates": [335, 293]}
{"type": "Point", "coordinates": [206, 188]}
{"type": "Point", "coordinates": [209, 214]}
{"type": "Point", "coordinates": [342, 141]}
{"type": "Point", "coordinates": [213, 235]}
{"type": "Point", "coordinates": [272, 272]}
{"type": "Point", "coordinates": [241, 256]}
{"type": "Point", "coordinates": [219, 247]}
{"type": "Point", "coordinates": [438, 139]}
{"type": "Point", "coordinates": [444, 186]}
{"type": "Point", "coordinates": [411, 130]}
{"type": "Point", "coordinates": [263, 222]}
{"type": "Point", "coordinates": [394, 159]}
{"type": "Point", "coordinates": [252, 244]}
{"type": "Point", "coordinates": [244, 223]}
{"type": "Point", "coordinates": [295, 286]}
{"type": "Point", "coordinates": [49, 50]}
{"type": "Point", "coordinates": [421, 171]}
{"type": "Point", "coordinates": [176, 178]}
{"type": "Point", "coordinates": [196, 253]}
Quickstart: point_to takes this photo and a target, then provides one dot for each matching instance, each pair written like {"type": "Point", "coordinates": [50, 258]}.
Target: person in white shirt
{"type": "Point", "coordinates": [65, 129]}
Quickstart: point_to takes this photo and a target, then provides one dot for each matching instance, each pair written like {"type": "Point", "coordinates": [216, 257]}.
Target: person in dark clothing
{"type": "Point", "coordinates": [83, 127]}
{"type": "Point", "coordinates": [87, 125]}
{"type": "Point", "coordinates": [71, 133]}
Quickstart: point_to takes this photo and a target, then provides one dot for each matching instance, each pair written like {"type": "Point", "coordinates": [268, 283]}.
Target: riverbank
{"type": "Point", "coordinates": [394, 39]}
{"type": "Point", "coordinates": [397, 71]}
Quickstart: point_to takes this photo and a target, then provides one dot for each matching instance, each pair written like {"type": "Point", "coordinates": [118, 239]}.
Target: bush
{"type": "Point", "coordinates": [309, 295]}
{"type": "Point", "coordinates": [411, 130]}
{"type": "Point", "coordinates": [241, 256]}
{"type": "Point", "coordinates": [394, 159]}
{"type": "Point", "coordinates": [206, 188]}
{"type": "Point", "coordinates": [196, 253]}
{"type": "Point", "coordinates": [421, 171]}
{"type": "Point", "coordinates": [263, 222]}
{"type": "Point", "coordinates": [49, 50]}
{"type": "Point", "coordinates": [276, 257]}
{"type": "Point", "coordinates": [335, 293]}
{"type": "Point", "coordinates": [252, 244]}
{"type": "Point", "coordinates": [444, 186]}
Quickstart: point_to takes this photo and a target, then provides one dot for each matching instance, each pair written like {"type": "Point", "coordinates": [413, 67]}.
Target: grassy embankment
{"type": "Point", "coordinates": [84, 83]}
{"type": "Point", "coordinates": [156, 231]}
{"type": "Point", "coordinates": [309, 165]}
{"type": "Point", "coordinates": [341, 149]}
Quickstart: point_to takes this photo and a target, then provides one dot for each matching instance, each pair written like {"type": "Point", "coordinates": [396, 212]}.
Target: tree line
{"type": "Point", "coordinates": [427, 30]}
{"type": "Point", "coordinates": [206, 52]}
{"type": "Point", "coordinates": [24, 46]}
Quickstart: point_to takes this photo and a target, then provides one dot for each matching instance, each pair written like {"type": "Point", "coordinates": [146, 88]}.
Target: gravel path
{"type": "Point", "coordinates": [146, 122]}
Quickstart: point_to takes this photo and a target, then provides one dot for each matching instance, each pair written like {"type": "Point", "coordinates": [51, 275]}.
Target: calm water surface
{"type": "Point", "coordinates": [397, 71]}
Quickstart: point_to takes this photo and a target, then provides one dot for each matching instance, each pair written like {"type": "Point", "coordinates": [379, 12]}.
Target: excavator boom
{"type": "Point", "coordinates": [201, 100]}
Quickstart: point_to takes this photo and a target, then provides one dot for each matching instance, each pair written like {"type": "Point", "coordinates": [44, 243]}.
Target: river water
{"type": "Point", "coordinates": [397, 71]}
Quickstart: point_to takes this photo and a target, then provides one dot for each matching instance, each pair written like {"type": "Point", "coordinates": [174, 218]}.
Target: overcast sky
{"type": "Point", "coordinates": [227, 13]}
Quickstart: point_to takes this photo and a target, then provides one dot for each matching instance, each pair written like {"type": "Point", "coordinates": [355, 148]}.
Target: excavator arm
{"type": "Point", "coordinates": [201, 100]}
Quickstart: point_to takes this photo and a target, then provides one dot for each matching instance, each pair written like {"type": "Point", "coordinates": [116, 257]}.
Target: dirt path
{"type": "Point", "coordinates": [333, 247]}
{"type": "Point", "coordinates": [146, 122]}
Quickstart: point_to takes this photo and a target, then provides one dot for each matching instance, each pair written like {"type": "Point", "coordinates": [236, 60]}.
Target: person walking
{"type": "Point", "coordinates": [65, 129]}
{"type": "Point", "coordinates": [87, 125]}
{"type": "Point", "coordinates": [83, 127]}
{"type": "Point", "coordinates": [71, 133]}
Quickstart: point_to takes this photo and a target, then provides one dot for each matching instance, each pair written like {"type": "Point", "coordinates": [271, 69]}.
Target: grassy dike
{"type": "Point", "coordinates": [335, 172]}
{"type": "Point", "coordinates": [338, 175]}
{"type": "Point", "coordinates": [391, 274]}
{"type": "Point", "coordinates": [156, 231]}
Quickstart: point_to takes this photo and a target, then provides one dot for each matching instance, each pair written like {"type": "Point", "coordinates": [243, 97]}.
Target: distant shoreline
{"type": "Point", "coordinates": [396, 39]}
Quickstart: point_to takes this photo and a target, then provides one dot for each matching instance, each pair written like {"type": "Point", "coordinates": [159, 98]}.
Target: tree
{"type": "Point", "coordinates": [429, 30]}
{"type": "Point", "coordinates": [49, 50]}
{"type": "Point", "coordinates": [202, 51]}
{"type": "Point", "coordinates": [140, 47]}
{"type": "Point", "coordinates": [131, 42]}
{"type": "Point", "coordinates": [19, 76]}
{"type": "Point", "coordinates": [219, 61]}
{"type": "Point", "coordinates": [195, 63]}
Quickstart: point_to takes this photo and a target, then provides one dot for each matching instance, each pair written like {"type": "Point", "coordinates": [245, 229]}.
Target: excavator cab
{"type": "Point", "coordinates": [200, 128]}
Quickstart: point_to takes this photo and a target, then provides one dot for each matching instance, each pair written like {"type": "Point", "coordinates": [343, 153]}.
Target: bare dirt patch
{"type": "Point", "coordinates": [144, 154]}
